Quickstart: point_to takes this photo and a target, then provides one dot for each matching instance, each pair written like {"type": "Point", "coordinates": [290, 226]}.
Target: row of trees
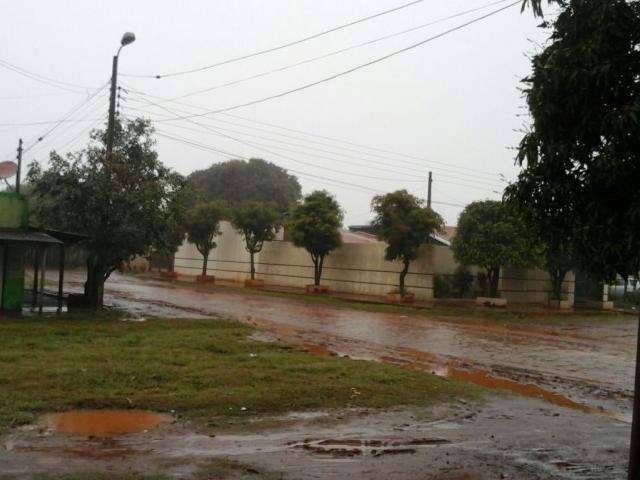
{"type": "Point", "coordinates": [401, 220]}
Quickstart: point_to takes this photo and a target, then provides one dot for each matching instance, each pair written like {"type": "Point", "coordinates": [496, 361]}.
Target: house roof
{"type": "Point", "coordinates": [449, 232]}
{"type": "Point", "coordinates": [357, 237]}
{"type": "Point", "coordinates": [362, 234]}
{"type": "Point", "coordinates": [10, 235]}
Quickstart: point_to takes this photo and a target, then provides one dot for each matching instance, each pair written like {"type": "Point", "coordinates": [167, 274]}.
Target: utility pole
{"type": "Point", "coordinates": [127, 38]}
{"type": "Point", "coordinates": [19, 157]}
{"type": "Point", "coordinates": [112, 107]}
{"type": "Point", "coordinates": [429, 190]}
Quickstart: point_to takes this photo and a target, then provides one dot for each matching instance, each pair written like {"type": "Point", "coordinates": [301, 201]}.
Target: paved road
{"type": "Point", "coordinates": [586, 365]}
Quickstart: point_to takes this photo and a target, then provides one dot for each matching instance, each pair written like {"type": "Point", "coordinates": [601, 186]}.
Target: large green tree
{"type": "Point", "coordinates": [238, 181]}
{"type": "Point", "coordinates": [202, 224]}
{"type": "Point", "coordinates": [492, 236]}
{"type": "Point", "coordinates": [405, 224]}
{"type": "Point", "coordinates": [121, 206]}
{"type": "Point", "coordinates": [584, 99]}
{"type": "Point", "coordinates": [314, 224]}
{"type": "Point", "coordinates": [257, 223]}
{"type": "Point", "coordinates": [549, 217]}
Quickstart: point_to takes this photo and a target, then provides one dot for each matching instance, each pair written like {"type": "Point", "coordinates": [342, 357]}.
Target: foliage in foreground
{"type": "Point", "coordinates": [203, 369]}
{"type": "Point", "coordinates": [123, 205]}
{"type": "Point", "coordinates": [583, 148]}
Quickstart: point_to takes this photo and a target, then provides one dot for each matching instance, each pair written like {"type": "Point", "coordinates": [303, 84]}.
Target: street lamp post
{"type": "Point", "coordinates": [127, 38]}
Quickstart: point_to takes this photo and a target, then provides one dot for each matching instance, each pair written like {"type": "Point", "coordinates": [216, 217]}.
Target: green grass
{"type": "Point", "coordinates": [204, 370]}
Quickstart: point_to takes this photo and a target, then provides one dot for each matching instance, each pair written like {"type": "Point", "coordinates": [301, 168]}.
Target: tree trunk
{"type": "Point", "coordinates": [204, 264]}
{"type": "Point", "coordinates": [494, 279]}
{"type": "Point", "coordinates": [253, 266]}
{"type": "Point", "coordinates": [403, 275]}
{"type": "Point", "coordinates": [626, 283]}
{"type": "Point", "coordinates": [317, 269]}
{"type": "Point", "coordinates": [94, 286]}
{"type": "Point", "coordinates": [557, 278]}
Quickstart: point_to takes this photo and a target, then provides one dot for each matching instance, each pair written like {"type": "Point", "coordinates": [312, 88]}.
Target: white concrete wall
{"type": "Point", "coordinates": [353, 268]}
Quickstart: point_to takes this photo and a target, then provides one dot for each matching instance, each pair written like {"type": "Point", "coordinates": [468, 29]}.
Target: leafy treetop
{"type": "Point", "coordinates": [237, 182]}
{"type": "Point", "coordinates": [258, 223]}
{"type": "Point", "coordinates": [492, 236]}
{"type": "Point", "coordinates": [203, 225]}
{"type": "Point", "coordinates": [314, 224]}
{"type": "Point", "coordinates": [404, 223]}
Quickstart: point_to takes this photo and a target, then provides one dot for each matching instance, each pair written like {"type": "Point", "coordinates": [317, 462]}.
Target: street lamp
{"type": "Point", "coordinates": [127, 38]}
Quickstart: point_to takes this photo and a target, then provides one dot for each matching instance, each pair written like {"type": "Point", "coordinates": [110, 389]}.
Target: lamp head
{"type": "Point", "coordinates": [127, 38]}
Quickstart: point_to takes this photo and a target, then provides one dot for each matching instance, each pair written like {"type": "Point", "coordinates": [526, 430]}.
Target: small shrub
{"type": "Point", "coordinates": [631, 298]}
{"type": "Point", "coordinates": [481, 279]}
{"type": "Point", "coordinates": [441, 286]}
{"type": "Point", "coordinates": [462, 282]}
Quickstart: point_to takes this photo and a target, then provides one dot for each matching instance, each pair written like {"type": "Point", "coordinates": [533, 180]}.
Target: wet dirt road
{"type": "Point", "coordinates": [514, 438]}
{"type": "Point", "coordinates": [586, 365]}
{"type": "Point", "coordinates": [569, 420]}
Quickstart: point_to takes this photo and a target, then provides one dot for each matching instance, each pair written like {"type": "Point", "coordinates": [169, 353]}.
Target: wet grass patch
{"type": "Point", "coordinates": [207, 371]}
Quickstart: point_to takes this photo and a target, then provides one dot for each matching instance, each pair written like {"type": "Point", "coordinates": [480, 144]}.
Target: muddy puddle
{"type": "Point", "coordinates": [103, 423]}
{"type": "Point", "coordinates": [353, 447]}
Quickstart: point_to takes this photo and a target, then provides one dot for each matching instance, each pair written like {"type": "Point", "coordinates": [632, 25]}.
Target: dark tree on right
{"type": "Point", "coordinates": [583, 148]}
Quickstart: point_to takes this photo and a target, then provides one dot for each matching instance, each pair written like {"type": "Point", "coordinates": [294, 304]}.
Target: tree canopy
{"type": "Point", "coordinates": [238, 181]}
{"type": "Point", "coordinates": [492, 236]}
{"type": "Point", "coordinates": [122, 207]}
{"type": "Point", "coordinates": [258, 223]}
{"type": "Point", "coordinates": [583, 148]}
{"type": "Point", "coordinates": [314, 224]}
{"type": "Point", "coordinates": [202, 224]}
{"type": "Point", "coordinates": [405, 224]}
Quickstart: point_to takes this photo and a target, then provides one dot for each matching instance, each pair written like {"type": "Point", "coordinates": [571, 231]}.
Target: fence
{"type": "Point", "coordinates": [353, 268]}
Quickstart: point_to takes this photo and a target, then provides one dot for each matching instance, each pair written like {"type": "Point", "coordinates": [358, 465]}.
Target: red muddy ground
{"type": "Point", "coordinates": [569, 419]}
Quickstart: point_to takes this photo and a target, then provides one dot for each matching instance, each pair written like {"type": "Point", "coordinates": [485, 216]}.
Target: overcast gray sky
{"type": "Point", "coordinates": [451, 106]}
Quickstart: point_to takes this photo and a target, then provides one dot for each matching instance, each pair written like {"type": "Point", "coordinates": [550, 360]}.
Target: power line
{"type": "Point", "coordinates": [279, 47]}
{"type": "Point", "coordinates": [70, 87]}
{"type": "Point", "coordinates": [45, 122]}
{"type": "Point", "coordinates": [92, 110]}
{"type": "Point", "coordinates": [206, 147]}
{"type": "Point", "coordinates": [66, 117]}
{"type": "Point", "coordinates": [414, 171]}
{"type": "Point", "coordinates": [421, 165]}
{"type": "Point", "coordinates": [41, 95]}
{"type": "Point", "coordinates": [82, 132]}
{"type": "Point", "coordinates": [359, 145]}
{"type": "Point", "coordinates": [261, 147]}
{"type": "Point", "coordinates": [341, 183]}
{"type": "Point", "coordinates": [351, 70]}
{"type": "Point", "coordinates": [336, 52]}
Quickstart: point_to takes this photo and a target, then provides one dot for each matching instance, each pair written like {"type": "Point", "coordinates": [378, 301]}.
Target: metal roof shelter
{"type": "Point", "coordinates": [16, 238]}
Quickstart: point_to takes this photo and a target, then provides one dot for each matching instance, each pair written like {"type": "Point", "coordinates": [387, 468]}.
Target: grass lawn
{"type": "Point", "coordinates": [205, 370]}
